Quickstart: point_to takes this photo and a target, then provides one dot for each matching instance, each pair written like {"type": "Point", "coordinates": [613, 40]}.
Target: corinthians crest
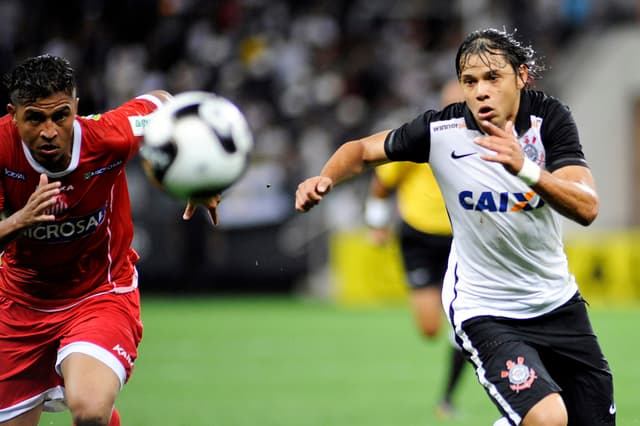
{"type": "Point", "coordinates": [519, 374]}
{"type": "Point", "coordinates": [532, 147]}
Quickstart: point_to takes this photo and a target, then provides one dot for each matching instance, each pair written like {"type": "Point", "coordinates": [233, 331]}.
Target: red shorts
{"type": "Point", "coordinates": [33, 344]}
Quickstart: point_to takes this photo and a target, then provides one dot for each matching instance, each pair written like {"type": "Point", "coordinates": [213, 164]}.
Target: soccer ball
{"type": "Point", "coordinates": [196, 145]}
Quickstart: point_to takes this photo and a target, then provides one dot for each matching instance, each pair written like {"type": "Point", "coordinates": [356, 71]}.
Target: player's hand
{"type": "Point", "coordinates": [36, 209]}
{"type": "Point", "coordinates": [311, 191]}
{"type": "Point", "coordinates": [211, 204]}
{"type": "Point", "coordinates": [504, 144]}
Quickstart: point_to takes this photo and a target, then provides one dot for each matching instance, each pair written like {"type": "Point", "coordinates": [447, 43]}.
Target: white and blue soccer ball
{"type": "Point", "coordinates": [196, 145]}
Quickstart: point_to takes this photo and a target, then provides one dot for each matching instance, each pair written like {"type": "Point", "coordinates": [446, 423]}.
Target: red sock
{"type": "Point", "coordinates": [115, 418]}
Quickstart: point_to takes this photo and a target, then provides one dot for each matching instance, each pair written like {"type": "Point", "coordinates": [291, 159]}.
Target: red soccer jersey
{"type": "Point", "coordinates": [86, 250]}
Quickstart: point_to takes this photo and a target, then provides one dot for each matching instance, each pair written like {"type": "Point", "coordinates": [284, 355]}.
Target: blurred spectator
{"type": "Point", "coordinates": [307, 74]}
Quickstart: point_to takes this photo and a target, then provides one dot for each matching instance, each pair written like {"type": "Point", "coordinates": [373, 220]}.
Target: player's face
{"type": "Point", "coordinates": [492, 88]}
{"type": "Point", "coordinates": [46, 127]}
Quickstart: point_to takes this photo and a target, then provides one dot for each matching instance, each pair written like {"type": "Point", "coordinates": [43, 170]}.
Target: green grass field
{"type": "Point", "coordinates": [289, 362]}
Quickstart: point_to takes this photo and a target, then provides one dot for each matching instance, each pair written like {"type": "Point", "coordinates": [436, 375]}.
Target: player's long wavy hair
{"type": "Point", "coordinates": [491, 41]}
{"type": "Point", "coordinates": [39, 77]}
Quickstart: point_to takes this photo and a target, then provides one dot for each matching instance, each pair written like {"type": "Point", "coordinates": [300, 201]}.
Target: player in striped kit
{"type": "Point", "coordinates": [509, 162]}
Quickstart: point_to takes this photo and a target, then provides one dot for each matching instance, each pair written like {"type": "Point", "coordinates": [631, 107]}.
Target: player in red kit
{"type": "Point", "coordinates": [69, 303]}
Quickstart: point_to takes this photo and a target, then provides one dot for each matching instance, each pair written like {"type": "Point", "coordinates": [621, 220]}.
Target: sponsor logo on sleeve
{"type": "Point", "coordinates": [138, 124]}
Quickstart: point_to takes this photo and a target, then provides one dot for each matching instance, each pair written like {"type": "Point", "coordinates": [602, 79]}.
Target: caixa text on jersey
{"type": "Point", "coordinates": [500, 201]}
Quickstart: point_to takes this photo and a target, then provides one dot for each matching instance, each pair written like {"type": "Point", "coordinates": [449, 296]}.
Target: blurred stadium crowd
{"type": "Point", "coordinates": [308, 75]}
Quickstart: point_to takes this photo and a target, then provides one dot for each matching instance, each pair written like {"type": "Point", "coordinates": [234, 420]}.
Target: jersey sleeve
{"type": "Point", "coordinates": [6, 136]}
{"type": "Point", "coordinates": [411, 141]}
{"type": "Point", "coordinates": [129, 120]}
{"type": "Point", "coordinates": [560, 138]}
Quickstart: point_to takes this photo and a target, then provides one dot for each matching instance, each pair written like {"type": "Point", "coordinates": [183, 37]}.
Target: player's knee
{"type": "Point", "coordinates": [428, 325]}
{"type": "Point", "coordinates": [89, 421]}
{"type": "Point", "coordinates": [429, 331]}
{"type": "Point", "coordinates": [550, 411]}
{"type": "Point", "coordinates": [546, 419]}
{"type": "Point", "coordinates": [87, 411]}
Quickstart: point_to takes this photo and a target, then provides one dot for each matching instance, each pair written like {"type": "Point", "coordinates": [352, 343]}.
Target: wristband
{"type": "Point", "coordinates": [378, 212]}
{"type": "Point", "coordinates": [530, 172]}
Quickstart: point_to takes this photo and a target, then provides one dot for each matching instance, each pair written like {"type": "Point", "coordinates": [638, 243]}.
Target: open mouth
{"type": "Point", "coordinates": [485, 113]}
{"type": "Point", "coordinates": [48, 149]}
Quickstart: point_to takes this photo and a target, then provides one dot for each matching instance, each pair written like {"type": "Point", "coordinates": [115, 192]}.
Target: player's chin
{"type": "Point", "coordinates": [490, 116]}
{"type": "Point", "coordinates": [491, 119]}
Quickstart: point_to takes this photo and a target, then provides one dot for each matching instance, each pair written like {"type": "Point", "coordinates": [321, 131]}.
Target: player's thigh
{"type": "Point", "coordinates": [28, 345]}
{"type": "Point", "coordinates": [579, 366]}
{"type": "Point", "coordinates": [90, 384]}
{"type": "Point", "coordinates": [29, 418]}
{"type": "Point", "coordinates": [549, 411]}
{"type": "Point", "coordinates": [588, 395]}
{"type": "Point", "coordinates": [511, 371]}
{"type": "Point", "coordinates": [108, 329]}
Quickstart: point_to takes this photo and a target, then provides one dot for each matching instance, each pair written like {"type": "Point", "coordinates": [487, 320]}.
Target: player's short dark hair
{"type": "Point", "coordinates": [39, 77]}
{"type": "Point", "coordinates": [491, 41]}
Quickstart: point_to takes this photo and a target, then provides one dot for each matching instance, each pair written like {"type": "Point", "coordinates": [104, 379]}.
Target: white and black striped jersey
{"type": "Point", "coordinates": [507, 257]}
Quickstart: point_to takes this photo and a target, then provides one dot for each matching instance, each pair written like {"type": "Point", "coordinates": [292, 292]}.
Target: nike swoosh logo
{"type": "Point", "coordinates": [612, 409]}
{"type": "Point", "coordinates": [458, 156]}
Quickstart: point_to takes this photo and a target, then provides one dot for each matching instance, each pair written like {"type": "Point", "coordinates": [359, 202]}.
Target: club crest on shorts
{"type": "Point", "coordinates": [520, 375]}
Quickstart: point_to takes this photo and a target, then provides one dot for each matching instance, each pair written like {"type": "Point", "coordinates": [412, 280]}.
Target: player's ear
{"type": "Point", "coordinates": [522, 76]}
{"type": "Point", "coordinates": [11, 110]}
